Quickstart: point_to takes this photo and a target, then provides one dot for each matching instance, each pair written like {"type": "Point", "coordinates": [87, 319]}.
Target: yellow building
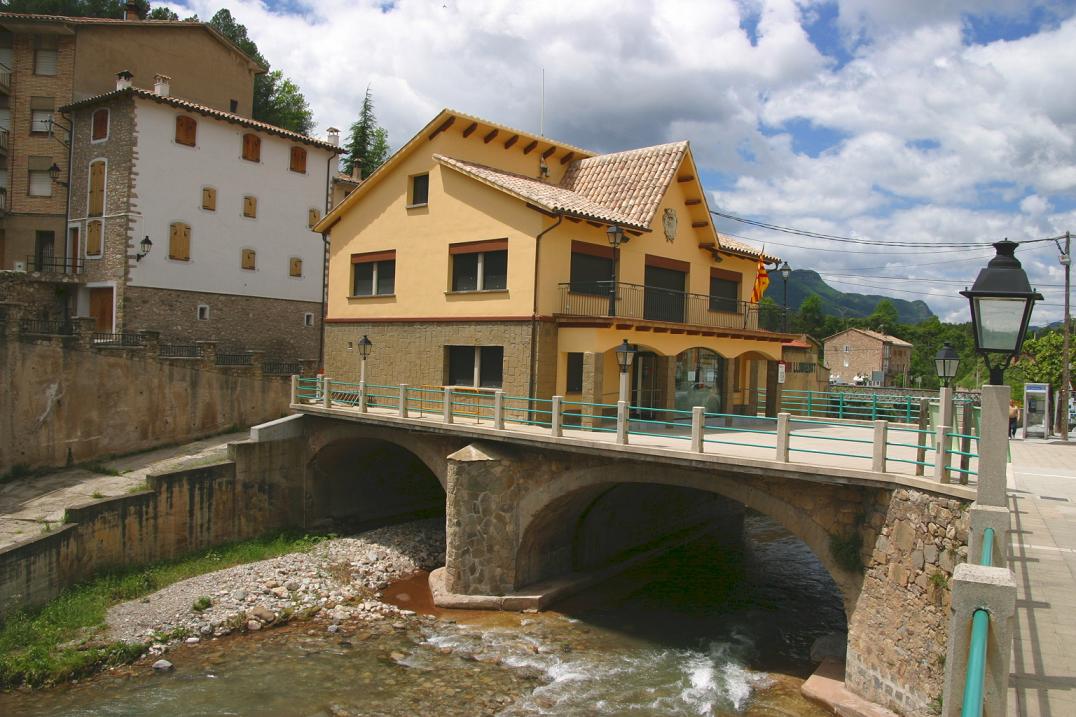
{"type": "Point", "coordinates": [480, 255]}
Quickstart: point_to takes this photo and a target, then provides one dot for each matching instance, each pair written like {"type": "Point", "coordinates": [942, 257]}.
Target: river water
{"type": "Point", "coordinates": [700, 631]}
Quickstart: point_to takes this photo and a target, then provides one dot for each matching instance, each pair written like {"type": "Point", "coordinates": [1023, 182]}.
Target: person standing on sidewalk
{"type": "Point", "coordinates": [1014, 415]}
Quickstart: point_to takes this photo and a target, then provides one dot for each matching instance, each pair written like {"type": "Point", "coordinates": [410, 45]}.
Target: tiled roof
{"type": "Point", "coordinates": [345, 179]}
{"type": "Point", "coordinates": [739, 247]}
{"type": "Point", "coordinates": [885, 337]}
{"type": "Point", "coordinates": [204, 110]}
{"type": "Point", "coordinates": [547, 196]}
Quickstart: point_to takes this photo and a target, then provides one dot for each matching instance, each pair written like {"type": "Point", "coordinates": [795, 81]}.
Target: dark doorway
{"type": "Point", "coordinates": [664, 294]}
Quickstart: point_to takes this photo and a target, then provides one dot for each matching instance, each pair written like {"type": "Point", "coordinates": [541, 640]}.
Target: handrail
{"type": "Point", "coordinates": [972, 706]}
{"type": "Point", "coordinates": [987, 557]}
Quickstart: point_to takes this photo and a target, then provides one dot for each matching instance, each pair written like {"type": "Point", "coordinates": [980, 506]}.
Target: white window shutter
{"type": "Point", "coordinates": [40, 184]}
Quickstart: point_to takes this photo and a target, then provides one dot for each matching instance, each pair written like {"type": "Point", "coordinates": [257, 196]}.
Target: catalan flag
{"type": "Point", "coordinates": [762, 280]}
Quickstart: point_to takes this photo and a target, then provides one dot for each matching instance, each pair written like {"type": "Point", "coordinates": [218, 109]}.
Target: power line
{"type": "Point", "coordinates": [918, 293]}
{"type": "Point", "coordinates": [853, 251]}
{"type": "Point", "coordinates": [923, 279]}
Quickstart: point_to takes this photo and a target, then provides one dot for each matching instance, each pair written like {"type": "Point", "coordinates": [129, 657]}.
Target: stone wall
{"type": "Point", "coordinates": [898, 632]}
{"type": "Point", "coordinates": [38, 299]}
{"type": "Point", "coordinates": [63, 405]}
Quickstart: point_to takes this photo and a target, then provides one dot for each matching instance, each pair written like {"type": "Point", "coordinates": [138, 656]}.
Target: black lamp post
{"type": "Point", "coordinates": [616, 237]}
{"type": "Point", "coordinates": [625, 354]}
{"type": "Point", "coordinates": [145, 245]}
{"type": "Point", "coordinates": [54, 174]}
{"type": "Point", "coordinates": [365, 344]}
{"type": "Point", "coordinates": [786, 271]}
{"type": "Point", "coordinates": [1001, 302]}
{"type": "Point", "coordinates": [946, 361]}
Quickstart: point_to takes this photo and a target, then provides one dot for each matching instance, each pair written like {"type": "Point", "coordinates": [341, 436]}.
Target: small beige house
{"type": "Point", "coordinates": [865, 357]}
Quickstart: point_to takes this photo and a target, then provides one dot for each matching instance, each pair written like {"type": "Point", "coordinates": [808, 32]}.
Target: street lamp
{"type": "Point", "coordinates": [365, 344]}
{"type": "Point", "coordinates": [616, 237]}
{"type": "Point", "coordinates": [946, 362]}
{"type": "Point", "coordinates": [145, 245]}
{"type": "Point", "coordinates": [54, 174]}
{"type": "Point", "coordinates": [786, 271]}
{"type": "Point", "coordinates": [625, 353]}
{"type": "Point", "coordinates": [1001, 302]}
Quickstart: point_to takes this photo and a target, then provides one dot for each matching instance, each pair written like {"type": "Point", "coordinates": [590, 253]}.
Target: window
{"type": "Point", "coordinates": [233, 106]}
{"type": "Point", "coordinates": [186, 130]}
{"type": "Point", "coordinates": [96, 199]}
{"type": "Point", "coordinates": [250, 207]}
{"type": "Point", "coordinates": [847, 348]}
{"type": "Point", "coordinates": [480, 266]}
{"type": "Point", "coordinates": [724, 290]}
{"type": "Point", "coordinates": [99, 129]}
{"type": "Point", "coordinates": [248, 261]}
{"type": "Point", "coordinates": [45, 61]}
{"type": "Point", "coordinates": [374, 274]}
{"type": "Point", "coordinates": [420, 190]}
{"type": "Point", "coordinates": [179, 242]}
{"type": "Point", "coordinates": [94, 243]}
{"type": "Point", "coordinates": [252, 147]}
{"type": "Point", "coordinates": [475, 366]}
{"type": "Point", "coordinates": [575, 373]}
{"type": "Point", "coordinates": [295, 266]}
{"type": "Point", "coordinates": [40, 182]}
{"type": "Point", "coordinates": [298, 160]}
{"type": "Point", "coordinates": [209, 199]}
{"type": "Point", "coordinates": [313, 216]}
{"type": "Point", "coordinates": [40, 121]}
{"type": "Point", "coordinates": [203, 312]}
{"type": "Point", "coordinates": [308, 319]}
{"type": "Point", "coordinates": [591, 269]}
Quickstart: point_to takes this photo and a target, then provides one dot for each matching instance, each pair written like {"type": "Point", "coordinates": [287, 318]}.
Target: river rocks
{"type": "Point", "coordinates": [163, 666]}
{"type": "Point", "coordinates": [254, 625]}
{"type": "Point", "coordinates": [263, 614]}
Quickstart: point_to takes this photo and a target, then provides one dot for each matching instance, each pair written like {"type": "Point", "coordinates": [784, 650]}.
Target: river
{"type": "Point", "coordinates": [700, 631]}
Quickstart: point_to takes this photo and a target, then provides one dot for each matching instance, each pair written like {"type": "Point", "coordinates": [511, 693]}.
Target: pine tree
{"type": "Point", "coordinates": [367, 143]}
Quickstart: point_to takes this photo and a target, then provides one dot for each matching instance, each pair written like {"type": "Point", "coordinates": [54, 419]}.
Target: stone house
{"type": "Point", "coordinates": [196, 222]}
{"type": "Point", "coordinates": [804, 370]}
{"type": "Point", "coordinates": [868, 357]}
{"type": "Point", "coordinates": [479, 256]}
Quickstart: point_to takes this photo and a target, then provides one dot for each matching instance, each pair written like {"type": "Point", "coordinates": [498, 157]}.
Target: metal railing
{"type": "Point", "coordinates": [865, 405]}
{"type": "Point", "coordinates": [239, 359]}
{"type": "Point", "coordinates": [279, 367]}
{"type": "Point", "coordinates": [975, 683]}
{"type": "Point", "coordinates": [46, 327]}
{"type": "Point", "coordinates": [53, 264]}
{"type": "Point", "coordinates": [180, 351]}
{"type": "Point", "coordinates": [117, 340]}
{"type": "Point", "coordinates": [5, 78]}
{"type": "Point", "coordinates": [3, 200]}
{"type": "Point", "coordinates": [636, 301]}
{"type": "Point", "coordinates": [5, 141]}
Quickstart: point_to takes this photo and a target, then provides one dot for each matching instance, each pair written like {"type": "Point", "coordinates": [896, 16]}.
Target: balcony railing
{"type": "Point", "coordinates": [117, 340]}
{"type": "Point", "coordinates": [3, 201]}
{"type": "Point", "coordinates": [5, 141]}
{"type": "Point", "coordinates": [635, 301]}
{"type": "Point", "coordinates": [46, 327]}
{"type": "Point", "coordinates": [53, 264]}
{"type": "Point", "coordinates": [5, 79]}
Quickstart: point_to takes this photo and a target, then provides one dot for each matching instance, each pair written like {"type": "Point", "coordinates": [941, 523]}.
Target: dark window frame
{"type": "Point", "coordinates": [382, 271]}
{"type": "Point", "coordinates": [419, 199]}
{"type": "Point", "coordinates": [574, 372]}
{"type": "Point", "coordinates": [482, 275]}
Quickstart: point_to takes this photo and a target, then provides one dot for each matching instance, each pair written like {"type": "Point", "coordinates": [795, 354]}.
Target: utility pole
{"type": "Point", "coordinates": [1066, 378]}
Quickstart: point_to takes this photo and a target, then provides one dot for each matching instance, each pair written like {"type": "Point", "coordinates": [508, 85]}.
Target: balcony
{"type": "Point", "coordinates": [5, 79]}
{"type": "Point", "coordinates": [3, 201]}
{"type": "Point", "coordinates": [649, 303]}
{"type": "Point", "coordinates": [5, 142]}
{"type": "Point", "coordinates": [53, 266]}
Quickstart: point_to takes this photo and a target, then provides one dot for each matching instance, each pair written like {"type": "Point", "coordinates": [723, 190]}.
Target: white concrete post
{"type": "Point", "coordinates": [362, 371]}
{"type": "Point", "coordinates": [698, 424]}
{"type": "Point", "coordinates": [783, 431]}
{"type": "Point", "coordinates": [993, 446]}
{"type": "Point", "coordinates": [989, 516]}
{"type": "Point", "coordinates": [622, 422]}
{"type": "Point", "coordinates": [555, 417]}
{"type": "Point", "coordinates": [403, 400]}
{"type": "Point", "coordinates": [498, 410]}
{"type": "Point", "coordinates": [446, 404]}
{"type": "Point", "coordinates": [624, 393]}
{"type": "Point", "coordinates": [941, 473]}
{"type": "Point", "coordinates": [994, 589]}
{"type": "Point", "coordinates": [294, 388]}
{"type": "Point", "coordinates": [326, 392]}
{"type": "Point", "coordinates": [945, 406]}
{"type": "Point", "coordinates": [362, 397]}
{"type": "Point", "coordinates": [881, 437]}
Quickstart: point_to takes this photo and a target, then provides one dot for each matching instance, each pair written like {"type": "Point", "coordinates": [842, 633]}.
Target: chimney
{"type": "Point", "coordinates": [356, 171]}
{"type": "Point", "coordinates": [162, 85]}
{"type": "Point", "coordinates": [334, 136]}
{"type": "Point", "coordinates": [123, 79]}
{"type": "Point", "coordinates": [130, 12]}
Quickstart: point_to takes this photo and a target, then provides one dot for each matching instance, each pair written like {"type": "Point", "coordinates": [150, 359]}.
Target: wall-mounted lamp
{"type": "Point", "coordinates": [145, 245]}
{"type": "Point", "coordinates": [54, 174]}
{"type": "Point", "coordinates": [543, 169]}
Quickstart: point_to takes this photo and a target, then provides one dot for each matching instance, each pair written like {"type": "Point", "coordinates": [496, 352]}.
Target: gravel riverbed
{"type": "Point", "coordinates": [338, 580]}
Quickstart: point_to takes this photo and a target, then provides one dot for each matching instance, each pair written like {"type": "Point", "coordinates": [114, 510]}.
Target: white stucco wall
{"type": "Point", "coordinates": [169, 185]}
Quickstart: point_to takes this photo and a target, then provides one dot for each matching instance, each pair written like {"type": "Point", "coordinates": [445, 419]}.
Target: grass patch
{"type": "Point", "coordinates": [138, 488]}
{"type": "Point", "coordinates": [102, 469]}
{"type": "Point", "coordinates": [846, 549]}
{"type": "Point", "coordinates": [939, 580]}
{"type": "Point", "coordinates": [97, 495]}
{"type": "Point", "coordinates": [202, 604]}
{"type": "Point", "coordinates": [55, 642]}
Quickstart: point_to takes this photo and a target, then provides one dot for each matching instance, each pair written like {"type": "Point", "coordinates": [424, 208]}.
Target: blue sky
{"type": "Point", "coordinates": [921, 120]}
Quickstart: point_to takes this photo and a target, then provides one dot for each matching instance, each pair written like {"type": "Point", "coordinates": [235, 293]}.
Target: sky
{"type": "Point", "coordinates": [922, 121]}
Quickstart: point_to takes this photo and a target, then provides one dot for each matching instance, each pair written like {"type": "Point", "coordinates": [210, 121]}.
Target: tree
{"type": "Point", "coordinates": [885, 317]}
{"type": "Point", "coordinates": [367, 142]}
{"type": "Point", "coordinates": [113, 9]}
{"type": "Point", "coordinates": [161, 13]}
{"type": "Point", "coordinates": [225, 24]}
{"type": "Point", "coordinates": [281, 103]}
{"type": "Point", "coordinates": [810, 318]}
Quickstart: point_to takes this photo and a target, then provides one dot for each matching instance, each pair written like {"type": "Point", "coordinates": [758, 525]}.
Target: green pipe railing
{"type": "Point", "coordinates": [987, 557]}
{"type": "Point", "coordinates": [972, 705]}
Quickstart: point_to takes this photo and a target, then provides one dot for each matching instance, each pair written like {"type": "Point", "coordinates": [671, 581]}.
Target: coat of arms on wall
{"type": "Point", "coordinates": [669, 221]}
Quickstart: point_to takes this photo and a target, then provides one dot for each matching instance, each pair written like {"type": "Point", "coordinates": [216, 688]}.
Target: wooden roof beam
{"type": "Point", "coordinates": [567, 158]}
{"type": "Point", "coordinates": [443, 126]}
{"type": "Point", "coordinates": [470, 128]}
{"type": "Point", "coordinates": [692, 202]}
{"type": "Point", "coordinates": [530, 147]}
{"type": "Point", "coordinates": [686, 178]}
{"type": "Point", "coordinates": [546, 154]}
{"type": "Point", "coordinates": [699, 225]}
{"type": "Point", "coordinates": [489, 137]}
{"type": "Point", "coordinates": [511, 140]}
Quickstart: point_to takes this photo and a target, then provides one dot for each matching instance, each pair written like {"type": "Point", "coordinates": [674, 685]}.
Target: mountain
{"type": "Point", "coordinates": [804, 282]}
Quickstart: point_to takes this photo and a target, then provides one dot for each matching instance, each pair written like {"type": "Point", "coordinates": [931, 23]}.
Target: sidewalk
{"type": "Point", "coordinates": [28, 506]}
{"type": "Point", "coordinates": [1042, 497]}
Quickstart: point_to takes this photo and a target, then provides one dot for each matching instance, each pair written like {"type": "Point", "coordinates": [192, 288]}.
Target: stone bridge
{"type": "Point", "coordinates": [532, 517]}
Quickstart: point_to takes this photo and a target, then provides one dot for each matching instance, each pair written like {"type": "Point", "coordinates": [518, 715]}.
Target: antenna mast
{"type": "Point", "coordinates": [541, 106]}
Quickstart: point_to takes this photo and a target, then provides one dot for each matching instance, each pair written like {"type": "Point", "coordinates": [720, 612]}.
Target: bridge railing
{"type": "Point", "coordinates": [861, 405]}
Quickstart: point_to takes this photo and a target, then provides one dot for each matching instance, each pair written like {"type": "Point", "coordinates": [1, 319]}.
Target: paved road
{"type": "Point", "coordinates": [1042, 496]}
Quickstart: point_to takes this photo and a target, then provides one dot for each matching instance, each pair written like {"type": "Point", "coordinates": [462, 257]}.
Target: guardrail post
{"type": "Point", "coordinates": [403, 400]}
{"type": "Point", "coordinates": [921, 437]}
{"type": "Point", "coordinates": [810, 403]}
{"type": "Point", "coordinates": [622, 422]}
{"type": "Point", "coordinates": [698, 422]}
{"type": "Point", "coordinates": [326, 392]}
{"type": "Point", "coordinates": [874, 407]}
{"type": "Point", "coordinates": [555, 417]}
{"type": "Point", "coordinates": [941, 473]}
{"type": "Point", "coordinates": [881, 438]}
{"type": "Point", "coordinates": [783, 437]}
{"type": "Point", "coordinates": [840, 405]}
{"type": "Point", "coordinates": [965, 443]}
{"type": "Point", "coordinates": [446, 404]}
{"type": "Point", "coordinates": [976, 587]}
{"type": "Point", "coordinates": [294, 388]}
{"type": "Point", "coordinates": [362, 397]}
{"type": "Point", "coordinates": [498, 410]}
{"type": "Point", "coordinates": [993, 445]}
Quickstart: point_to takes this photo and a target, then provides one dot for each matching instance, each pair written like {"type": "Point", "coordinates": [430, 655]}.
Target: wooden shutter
{"type": "Point", "coordinates": [250, 207]}
{"type": "Point", "coordinates": [179, 242]}
{"type": "Point", "coordinates": [209, 199]}
{"type": "Point", "coordinates": [93, 239]}
{"type": "Point", "coordinates": [248, 258]}
{"type": "Point", "coordinates": [100, 124]}
{"type": "Point", "coordinates": [312, 217]}
{"type": "Point", "coordinates": [296, 267]}
{"type": "Point", "coordinates": [186, 130]}
{"type": "Point", "coordinates": [97, 189]}
{"type": "Point", "coordinates": [298, 160]}
{"type": "Point", "coordinates": [252, 148]}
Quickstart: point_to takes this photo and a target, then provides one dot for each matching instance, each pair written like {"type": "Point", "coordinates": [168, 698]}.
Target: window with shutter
{"type": "Point", "coordinates": [97, 189]}
{"type": "Point", "coordinates": [250, 207]}
{"type": "Point", "coordinates": [93, 239]}
{"type": "Point", "coordinates": [252, 148]}
{"type": "Point", "coordinates": [40, 121]}
{"type": "Point", "coordinates": [248, 259]}
{"type": "Point", "coordinates": [313, 217]}
{"type": "Point", "coordinates": [186, 130]}
{"type": "Point", "coordinates": [45, 62]}
{"type": "Point", "coordinates": [40, 183]}
{"type": "Point", "coordinates": [100, 126]}
{"type": "Point", "coordinates": [298, 160]}
{"type": "Point", "coordinates": [209, 199]}
{"type": "Point", "coordinates": [179, 242]}
{"type": "Point", "coordinates": [295, 266]}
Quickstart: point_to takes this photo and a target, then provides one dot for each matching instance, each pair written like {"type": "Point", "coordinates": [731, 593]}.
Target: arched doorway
{"type": "Point", "coordinates": [700, 380]}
